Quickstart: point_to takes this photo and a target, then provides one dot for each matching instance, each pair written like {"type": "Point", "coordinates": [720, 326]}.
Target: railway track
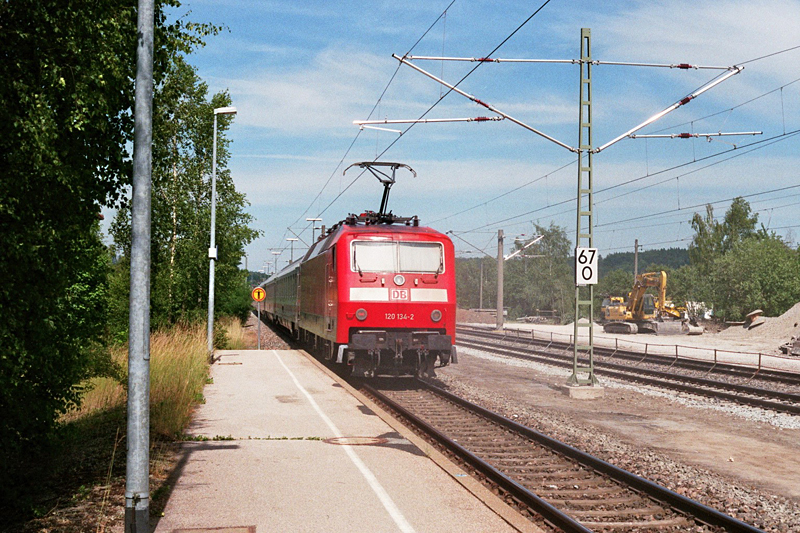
{"type": "Point", "coordinates": [663, 372]}
{"type": "Point", "coordinates": [568, 489]}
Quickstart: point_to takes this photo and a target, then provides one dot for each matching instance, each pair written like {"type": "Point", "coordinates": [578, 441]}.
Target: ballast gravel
{"type": "Point", "coordinates": [769, 512]}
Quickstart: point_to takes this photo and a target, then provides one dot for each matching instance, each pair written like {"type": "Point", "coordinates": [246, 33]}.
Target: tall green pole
{"type": "Point", "coordinates": [583, 352]}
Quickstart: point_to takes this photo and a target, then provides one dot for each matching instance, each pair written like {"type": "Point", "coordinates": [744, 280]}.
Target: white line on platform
{"type": "Point", "coordinates": [383, 496]}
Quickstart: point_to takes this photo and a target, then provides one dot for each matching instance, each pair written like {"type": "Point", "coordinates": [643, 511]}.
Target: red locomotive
{"type": "Point", "coordinates": [376, 292]}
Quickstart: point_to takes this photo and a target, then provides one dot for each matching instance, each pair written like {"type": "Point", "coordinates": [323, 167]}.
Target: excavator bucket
{"type": "Point", "coordinates": [676, 327]}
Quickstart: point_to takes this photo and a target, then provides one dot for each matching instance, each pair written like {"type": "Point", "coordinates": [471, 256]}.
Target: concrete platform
{"type": "Point", "coordinates": [270, 467]}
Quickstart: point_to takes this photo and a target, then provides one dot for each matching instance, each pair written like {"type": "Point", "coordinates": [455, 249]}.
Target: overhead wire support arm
{"type": "Point", "coordinates": [491, 59]}
{"type": "Point", "coordinates": [682, 66]}
{"type": "Point", "coordinates": [529, 244]}
{"type": "Point", "coordinates": [367, 123]}
{"type": "Point", "coordinates": [732, 71]}
{"type": "Point", "coordinates": [484, 104]}
{"type": "Point", "coordinates": [693, 135]}
{"type": "Point", "coordinates": [364, 126]}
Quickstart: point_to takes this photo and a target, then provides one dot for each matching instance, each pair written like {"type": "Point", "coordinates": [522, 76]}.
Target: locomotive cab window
{"type": "Point", "coordinates": [397, 256]}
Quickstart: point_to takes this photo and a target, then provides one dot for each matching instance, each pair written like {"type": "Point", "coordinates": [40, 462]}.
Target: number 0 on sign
{"type": "Point", "coordinates": [586, 266]}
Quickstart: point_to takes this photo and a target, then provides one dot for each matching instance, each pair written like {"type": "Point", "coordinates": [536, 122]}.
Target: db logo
{"type": "Point", "coordinates": [398, 294]}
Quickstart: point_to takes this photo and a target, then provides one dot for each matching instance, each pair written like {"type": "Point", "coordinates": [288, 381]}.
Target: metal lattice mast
{"type": "Point", "coordinates": [583, 373]}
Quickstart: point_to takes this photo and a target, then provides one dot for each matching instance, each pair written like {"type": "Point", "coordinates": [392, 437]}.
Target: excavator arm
{"type": "Point", "coordinates": [636, 300]}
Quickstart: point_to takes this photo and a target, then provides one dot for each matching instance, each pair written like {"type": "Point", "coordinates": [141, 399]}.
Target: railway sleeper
{"type": "Point", "coordinates": [678, 522]}
{"type": "Point", "coordinates": [592, 502]}
{"type": "Point", "coordinates": [554, 491]}
{"type": "Point", "coordinates": [537, 460]}
{"type": "Point", "coordinates": [522, 452]}
{"type": "Point", "coordinates": [649, 513]}
{"type": "Point", "coordinates": [533, 465]}
{"type": "Point", "coordinates": [550, 477]}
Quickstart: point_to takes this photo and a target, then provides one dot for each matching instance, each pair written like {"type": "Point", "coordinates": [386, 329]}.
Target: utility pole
{"type": "Point", "coordinates": [500, 262]}
{"type": "Point", "coordinates": [583, 371]}
{"type": "Point", "coordinates": [137, 473]}
{"type": "Point", "coordinates": [635, 258]}
{"type": "Point", "coordinates": [480, 291]}
{"type": "Point", "coordinates": [586, 256]}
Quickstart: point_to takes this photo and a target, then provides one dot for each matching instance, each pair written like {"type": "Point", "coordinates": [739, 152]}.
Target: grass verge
{"type": "Point", "coordinates": [235, 334]}
{"type": "Point", "coordinates": [78, 485]}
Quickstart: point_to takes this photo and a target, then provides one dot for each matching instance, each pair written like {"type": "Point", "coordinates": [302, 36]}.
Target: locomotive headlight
{"type": "Point", "coordinates": [436, 315]}
{"type": "Point", "coordinates": [399, 279]}
{"type": "Point", "coordinates": [361, 314]}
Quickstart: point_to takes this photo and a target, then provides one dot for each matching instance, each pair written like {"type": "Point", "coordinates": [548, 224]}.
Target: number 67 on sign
{"type": "Point", "coordinates": [586, 266]}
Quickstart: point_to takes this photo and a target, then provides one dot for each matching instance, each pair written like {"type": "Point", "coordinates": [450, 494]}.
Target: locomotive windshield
{"type": "Point", "coordinates": [397, 256]}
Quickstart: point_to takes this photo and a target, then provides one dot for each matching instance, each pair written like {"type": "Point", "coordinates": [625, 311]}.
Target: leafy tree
{"type": "Point", "coordinates": [614, 283]}
{"type": "Point", "coordinates": [468, 272]}
{"type": "Point", "coordinates": [65, 127]}
{"type": "Point", "coordinates": [713, 239]}
{"type": "Point", "coordinates": [670, 257]}
{"type": "Point", "coordinates": [757, 273]}
{"type": "Point", "coordinates": [181, 206]}
{"type": "Point", "coordinates": [540, 279]}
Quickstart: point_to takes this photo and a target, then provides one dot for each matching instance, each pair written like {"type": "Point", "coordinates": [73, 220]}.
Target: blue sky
{"type": "Point", "coordinates": [301, 72]}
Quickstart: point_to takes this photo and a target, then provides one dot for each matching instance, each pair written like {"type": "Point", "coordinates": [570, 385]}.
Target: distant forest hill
{"type": "Point", "coordinates": [669, 257]}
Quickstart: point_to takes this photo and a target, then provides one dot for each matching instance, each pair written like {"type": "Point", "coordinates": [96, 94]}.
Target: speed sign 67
{"type": "Point", "coordinates": [586, 266]}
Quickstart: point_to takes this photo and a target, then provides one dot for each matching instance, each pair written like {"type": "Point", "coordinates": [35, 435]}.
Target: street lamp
{"type": "Point", "coordinates": [292, 240]}
{"type": "Point", "coordinates": [313, 226]}
{"type": "Point", "coordinates": [212, 249]}
{"type": "Point", "coordinates": [276, 254]}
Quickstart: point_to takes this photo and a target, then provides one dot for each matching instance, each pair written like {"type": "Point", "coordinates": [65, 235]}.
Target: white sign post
{"type": "Point", "coordinates": [586, 266]}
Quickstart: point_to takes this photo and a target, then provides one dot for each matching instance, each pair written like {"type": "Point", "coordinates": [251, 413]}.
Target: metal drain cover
{"type": "Point", "coordinates": [357, 441]}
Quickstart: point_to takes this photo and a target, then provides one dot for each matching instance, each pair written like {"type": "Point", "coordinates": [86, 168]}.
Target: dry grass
{"type": "Point", "coordinates": [82, 486]}
{"type": "Point", "coordinates": [178, 372]}
{"type": "Point", "coordinates": [235, 333]}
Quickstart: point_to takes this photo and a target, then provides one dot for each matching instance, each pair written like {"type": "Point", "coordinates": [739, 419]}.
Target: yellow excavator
{"type": "Point", "coordinates": [644, 312]}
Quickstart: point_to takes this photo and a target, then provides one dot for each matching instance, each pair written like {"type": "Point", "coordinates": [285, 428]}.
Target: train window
{"type": "Point", "coordinates": [371, 256]}
{"type": "Point", "coordinates": [376, 256]}
{"type": "Point", "coordinates": [420, 257]}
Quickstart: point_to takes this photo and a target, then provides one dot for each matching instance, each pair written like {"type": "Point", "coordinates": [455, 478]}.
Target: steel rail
{"type": "Point", "coordinates": [661, 494]}
{"type": "Point", "coordinates": [789, 378]}
{"type": "Point", "coordinates": [539, 505]}
{"type": "Point", "coordinates": [661, 379]}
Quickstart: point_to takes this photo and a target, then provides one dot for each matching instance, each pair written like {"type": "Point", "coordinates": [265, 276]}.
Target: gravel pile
{"type": "Point", "coordinates": [766, 511]}
{"type": "Point", "coordinates": [780, 328]}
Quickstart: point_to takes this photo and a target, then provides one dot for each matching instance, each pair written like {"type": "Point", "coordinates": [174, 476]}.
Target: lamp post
{"type": "Point", "coordinates": [212, 249]}
{"type": "Point", "coordinates": [276, 254]}
{"type": "Point", "coordinates": [292, 240]}
{"type": "Point", "coordinates": [313, 226]}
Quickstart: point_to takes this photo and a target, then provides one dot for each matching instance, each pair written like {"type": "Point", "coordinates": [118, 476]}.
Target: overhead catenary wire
{"type": "Point", "coordinates": [648, 174]}
{"type": "Point", "coordinates": [449, 216]}
{"type": "Point", "coordinates": [730, 72]}
{"type": "Point", "coordinates": [738, 153]}
{"type": "Point", "coordinates": [436, 103]}
{"type": "Point", "coordinates": [374, 107]}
